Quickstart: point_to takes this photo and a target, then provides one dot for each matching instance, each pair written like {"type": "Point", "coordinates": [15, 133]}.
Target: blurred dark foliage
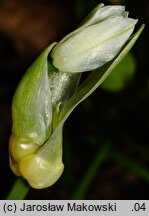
{"type": "Point", "coordinates": [121, 118]}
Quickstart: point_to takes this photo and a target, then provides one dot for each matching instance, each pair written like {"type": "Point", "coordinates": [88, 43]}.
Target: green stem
{"type": "Point", "coordinates": [19, 190]}
{"type": "Point", "coordinates": [91, 172]}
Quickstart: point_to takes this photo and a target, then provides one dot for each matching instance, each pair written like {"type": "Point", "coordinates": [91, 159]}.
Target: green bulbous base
{"type": "Point", "coordinates": [20, 148]}
{"type": "Point", "coordinates": [40, 173]}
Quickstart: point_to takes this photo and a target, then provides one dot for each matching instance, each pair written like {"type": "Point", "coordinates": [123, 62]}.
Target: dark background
{"type": "Point", "coordinates": [119, 119]}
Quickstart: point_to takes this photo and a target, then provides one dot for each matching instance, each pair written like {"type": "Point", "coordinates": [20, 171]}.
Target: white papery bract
{"type": "Point", "coordinates": [96, 42]}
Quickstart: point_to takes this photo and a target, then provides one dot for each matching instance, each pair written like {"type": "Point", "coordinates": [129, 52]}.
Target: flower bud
{"type": "Point", "coordinates": [96, 42]}
{"type": "Point", "coordinates": [44, 99]}
{"type": "Point", "coordinates": [40, 173]}
{"type": "Point", "coordinates": [43, 168]}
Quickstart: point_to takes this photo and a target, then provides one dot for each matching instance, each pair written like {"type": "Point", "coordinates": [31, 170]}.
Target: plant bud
{"type": "Point", "coordinates": [96, 42]}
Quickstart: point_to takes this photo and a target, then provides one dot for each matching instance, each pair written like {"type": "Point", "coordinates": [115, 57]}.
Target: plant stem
{"type": "Point", "coordinates": [19, 190]}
